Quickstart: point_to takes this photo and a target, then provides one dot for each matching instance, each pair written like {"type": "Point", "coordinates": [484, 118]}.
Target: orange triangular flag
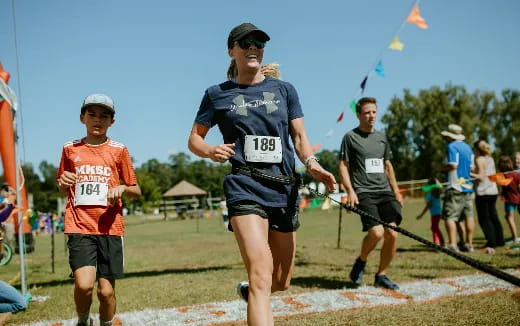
{"type": "Point", "coordinates": [415, 18]}
{"type": "Point", "coordinates": [500, 179]}
{"type": "Point", "coordinates": [340, 117]}
{"type": "Point", "coordinates": [316, 147]}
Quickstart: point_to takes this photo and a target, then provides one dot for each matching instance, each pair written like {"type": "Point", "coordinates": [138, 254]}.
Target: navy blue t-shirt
{"type": "Point", "coordinates": [262, 109]}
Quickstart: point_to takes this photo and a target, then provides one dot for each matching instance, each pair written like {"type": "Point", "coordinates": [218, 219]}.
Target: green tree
{"type": "Point", "coordinates": [413, 125]}
{"type": "Point", "coordinates": [506, 131]}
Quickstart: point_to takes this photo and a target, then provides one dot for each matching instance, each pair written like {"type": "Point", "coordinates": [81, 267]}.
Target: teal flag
{"type": "Point", "coordinates": [379, 69]}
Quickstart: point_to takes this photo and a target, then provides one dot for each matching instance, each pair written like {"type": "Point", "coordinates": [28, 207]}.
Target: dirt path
{"type": "Point", "coordinates": [313, 302]}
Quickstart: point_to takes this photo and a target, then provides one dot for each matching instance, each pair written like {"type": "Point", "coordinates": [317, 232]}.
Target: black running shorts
{"type": "Point", "coordinates": [382, 205]}
{"type": "Point", "coordinates": [105, 252]}
{"type": "Point", "coordinates": [282, 219]}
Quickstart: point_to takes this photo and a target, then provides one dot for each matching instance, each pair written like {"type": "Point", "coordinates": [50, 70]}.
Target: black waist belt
{"type": "Point", "coordinates": [267, 175]}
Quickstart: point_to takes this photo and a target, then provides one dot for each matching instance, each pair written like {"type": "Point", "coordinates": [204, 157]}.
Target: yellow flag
{"type": "Point", "coordinates": [462, 182]}
{"type": "Point", "coordinates": [396, 44]}
{"type": "Point", "coordinates": [415, 18]}
{"type": "Point", "coordinates": [326, 204]}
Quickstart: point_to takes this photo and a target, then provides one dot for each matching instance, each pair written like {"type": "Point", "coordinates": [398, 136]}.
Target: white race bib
{"type": "Point", "coordinates": [265, 149]}
{"type": "Point", "coordinates": [91, 193]}
{"type": "Point", "coordinates": [374, 165]}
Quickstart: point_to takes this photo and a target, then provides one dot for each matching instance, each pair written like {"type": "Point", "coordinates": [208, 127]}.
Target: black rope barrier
{"type": "Point", "coordinates": [463, 258]}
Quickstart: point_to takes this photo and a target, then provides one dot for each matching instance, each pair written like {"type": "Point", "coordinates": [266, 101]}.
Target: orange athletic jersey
{"type": "Point", "coordinates": [98, 167]}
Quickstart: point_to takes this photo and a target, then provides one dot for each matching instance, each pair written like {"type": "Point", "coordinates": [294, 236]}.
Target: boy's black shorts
{"type": "Point", "coordinates": [282, 219]}
{"type": "Point", "coordinates": [382, 205]}
{"type": "Point", "coordinates": [105, 252]}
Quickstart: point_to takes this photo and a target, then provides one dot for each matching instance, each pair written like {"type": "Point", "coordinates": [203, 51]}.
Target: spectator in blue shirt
{"type": "Point", "coordinates": [458, 200]}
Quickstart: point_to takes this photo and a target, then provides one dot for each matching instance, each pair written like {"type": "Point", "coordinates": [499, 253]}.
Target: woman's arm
{"type": "Point", "coordinates": [199, 147]}
{"type": "Point", "coordinates": [303, 149]}
{"type": "Point", "coordinates": [478, 173]}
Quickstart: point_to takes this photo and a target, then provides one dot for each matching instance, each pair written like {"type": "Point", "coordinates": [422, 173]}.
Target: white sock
{"type": "Point", "coordinates": [106, 323]}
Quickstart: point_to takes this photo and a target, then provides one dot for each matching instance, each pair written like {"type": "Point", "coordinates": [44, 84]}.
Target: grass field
{"type": "Point", "coordinates": [169, 264]}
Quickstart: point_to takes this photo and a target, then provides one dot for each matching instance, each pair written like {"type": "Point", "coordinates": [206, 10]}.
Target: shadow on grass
{"type": "Point", "coordinates": [323, 283]}
{"type": "Point", "coordinates": [417, 249]}
{"type": "Point", "coordinates": [142, 274]}
{"type": "Point", "coordinates": [423, 277]}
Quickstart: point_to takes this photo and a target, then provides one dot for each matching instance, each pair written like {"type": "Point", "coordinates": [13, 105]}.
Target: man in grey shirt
{"type": "Point", "coordinates": [368, 176]}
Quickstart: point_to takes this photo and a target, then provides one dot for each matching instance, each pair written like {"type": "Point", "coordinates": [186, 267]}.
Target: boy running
{"type": "Point", "coordinates": [90, 175]}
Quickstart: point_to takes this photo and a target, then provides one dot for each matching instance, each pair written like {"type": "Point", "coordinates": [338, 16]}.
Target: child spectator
{"type": "Point", "coordinates": [510, 195]}
{"type": "Point", "coordinates": [433, 203]}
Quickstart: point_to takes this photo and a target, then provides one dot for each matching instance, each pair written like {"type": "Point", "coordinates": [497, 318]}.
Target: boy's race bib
{"type": "Point", "coordinates": [91, 193]}
{"type": "Point", "coordinates": [374, 165]}
{"type": "Point", "coordinates": [265, 149]}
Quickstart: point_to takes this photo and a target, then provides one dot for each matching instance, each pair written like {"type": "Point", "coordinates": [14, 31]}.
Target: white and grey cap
{"type": "Point", "coordinates": [99, 100]}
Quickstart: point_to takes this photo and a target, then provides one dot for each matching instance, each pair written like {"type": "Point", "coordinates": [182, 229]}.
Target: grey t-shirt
{"type": "Point", "coordinates": [366, 154]}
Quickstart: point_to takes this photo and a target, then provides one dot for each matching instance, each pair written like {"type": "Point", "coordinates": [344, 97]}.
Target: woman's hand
{"type": "Point", "coordinates": [317, 172]}
{"type": "Point", "coordinates": [221, 153]}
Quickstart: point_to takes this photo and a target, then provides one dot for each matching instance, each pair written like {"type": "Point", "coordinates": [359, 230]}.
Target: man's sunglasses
{"type": "Point", "coordinates": [246, 43]}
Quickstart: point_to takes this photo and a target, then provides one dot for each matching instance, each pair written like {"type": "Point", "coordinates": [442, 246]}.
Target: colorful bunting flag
{"type": "Point", "coordinates": [315, 203]}
{"type": "Point", "coordinates": [379, 69]}
{"type": "Point", "coordinates": [353, 106]}
{"type": "Point", "coordinates": [304, 203]}
{"type": "Point", "coordinates": [415, 18]}
{"type": "Point", "coordinates": [428, 188]}
{"type": "Point", "coordinates": [326, 204]}
{"type": "Point", "coordinates": [316, 147]}
{"type": "Point", "coordinates": [396, 44]}
{"type": "Point", "coordinates": [462, 182]}
{"type": "Point", "coordinates": [329, 133]}
{"type": "Point", "coordinates": [363, 84]}
{"type": "Point", "coordinates": [500, 179]}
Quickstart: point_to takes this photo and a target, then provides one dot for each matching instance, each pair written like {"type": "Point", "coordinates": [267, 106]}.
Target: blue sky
{"type": "Point", "coordinates": [155, 59]}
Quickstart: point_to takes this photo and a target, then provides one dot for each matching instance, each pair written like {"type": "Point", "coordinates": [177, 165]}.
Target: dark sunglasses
{"type": "Point", "coordinates": [246, 43]}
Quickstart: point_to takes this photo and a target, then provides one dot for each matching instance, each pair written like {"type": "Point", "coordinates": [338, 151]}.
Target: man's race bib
{"type": "Point", "coordinates": [91, 193]}
{"type": "Point", "coordinates": [374, 165]}
{"type": "Point", "coordinates": [265, 149]}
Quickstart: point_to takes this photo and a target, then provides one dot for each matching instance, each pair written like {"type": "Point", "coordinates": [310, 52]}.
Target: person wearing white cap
{"type": "Point", "coordinates": [95, 172]}
{"type": "Point", "coordinates": [458, 202]}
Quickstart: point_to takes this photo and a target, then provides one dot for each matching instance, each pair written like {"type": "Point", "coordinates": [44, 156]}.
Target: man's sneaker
{"type": "Point", "coordinates": [358, 269]}
{"type": "Point", "coordinates": [243, 290]}
{"type": "Point", "coordinates": [382, 281]}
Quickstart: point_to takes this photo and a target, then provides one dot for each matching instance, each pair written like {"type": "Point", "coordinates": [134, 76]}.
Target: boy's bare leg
{"type": "Point", "coordinates": [106, 293]}
{"type": "Point", "coordinates": [84, 279]}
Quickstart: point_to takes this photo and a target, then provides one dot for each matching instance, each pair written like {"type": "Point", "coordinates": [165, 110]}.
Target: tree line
{"type": "Point", "coordinates": [412, 123]}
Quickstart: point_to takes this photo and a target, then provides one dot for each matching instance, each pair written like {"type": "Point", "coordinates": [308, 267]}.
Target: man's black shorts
{"type": "Point", "coordinates": [105, 252]}
{"type": "Point", "coordinates": [282, 219]}
{"type": "Point", "coordinates": [382, 205]}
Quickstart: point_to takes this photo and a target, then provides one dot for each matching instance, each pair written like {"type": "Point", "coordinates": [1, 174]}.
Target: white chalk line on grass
{"type": "Point", "coordinates": [313, 302]}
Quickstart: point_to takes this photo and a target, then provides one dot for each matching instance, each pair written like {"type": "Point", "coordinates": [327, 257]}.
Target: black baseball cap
{"type": "Point", "coordinates": [242, 30]}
